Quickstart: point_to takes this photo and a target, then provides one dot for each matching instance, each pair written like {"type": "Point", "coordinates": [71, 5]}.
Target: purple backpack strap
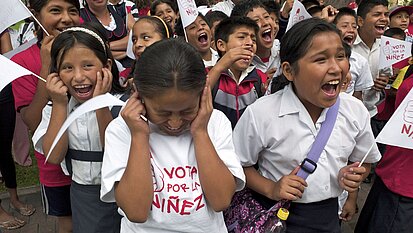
{"type": "Point", "coordinates": [309, 164]}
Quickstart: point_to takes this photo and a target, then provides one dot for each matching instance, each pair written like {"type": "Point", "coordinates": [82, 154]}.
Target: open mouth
{"type": "Point", "coordinates": [203, 38]}
{"type": "Point", "coordinates": [349, 39]}
{"type": "Point", "coordinates": [380, 29]}
{"type": "Point", "coordinates": [267, 35]}
{"type": "Point", "coordinates": [83, 91]}
{"type": "Point", "coordinates": [330, 88]}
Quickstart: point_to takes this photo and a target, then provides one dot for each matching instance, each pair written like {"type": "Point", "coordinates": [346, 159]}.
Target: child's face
{"type": "Point", "coordinates": [265, 36]}
{"type": "Point", "coordinates": [78, 71]}
{"type": "Point", "coordinates": [276, 23]}
{"type": "Point", "coordinates": [242, 36]}
{"type": "Point", "coordinates": [348, 27]}
{"type": "Point", "coordinates": [165, 12]}
{"type": "Point", "coordinates": [144, 35]}
{"type": "Point", "coordinates": [57, 15]}
{"type": "Point", "coordinates": [173, 111]}
{"type": "Point", "coordinates": [346, 82]}
{"type": "Point", "coordinates": [96, 3]}
{"type": "Point", "coordinates": [320, 72]}
{"type": "Point", "coordinates": [400, 20]}
{"type": "Point", "coordinates": [199, 35]}
{"type": "Point", "coordinates": [375, 23]}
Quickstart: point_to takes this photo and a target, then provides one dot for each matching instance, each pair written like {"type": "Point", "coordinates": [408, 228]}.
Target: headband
{"type": "Point", "coordinates": [88, 31]}
{"type": "Point", "coordinates": [164, 24]}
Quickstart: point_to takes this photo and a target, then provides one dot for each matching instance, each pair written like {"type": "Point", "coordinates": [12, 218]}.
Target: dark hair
{"type": "Point", "coordinates": [343, 12]}
{"type": "Point", "coordinates": [310, 3]}
{"type": "Point", "coordinates": [244, 7]}
{"type": "Point", "coordinates": [201, 3]}
{"type": "Point", "coordinates": [272, 7]}
{"type": "Point", "coordinates": [314, 10]}
{"type": "Point", "coordinates": [180, 66]}
{"type": "Point", "coordinates": [295, 44]}
{"type": "Point", "coordinates": [154, 4]}
{"type": "Point", "coordinates": [37, 6]}
{"type": "Point", "coordinates": [161, 27]}
{"type": "Point", "coordinates": [214, 16]}
{"type": "Point", "coordinates": [228, 26]}
{"type": "Point", "coordinates": [395, 32]}
{"type": "Point", "coordinates": [179, 28]}
{"type": "Point", "coordinates": [365, 6]}
{"type": "Point", "coordinates": [347, 50]}
{"type": "Point", "coordinates": [68, 39]}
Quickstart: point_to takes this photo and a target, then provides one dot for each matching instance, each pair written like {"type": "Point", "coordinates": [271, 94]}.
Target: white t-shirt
{"type": "Point", "coordinates": [179, 204]}
{"type": "Point", "coordinates": [274, 60]}
{"type": "Point", "coordinates": [214, 59]}
{"type": "Point", "coordinates": [277, 132]}
{"type": "Point", "coordinates": [360, 74]}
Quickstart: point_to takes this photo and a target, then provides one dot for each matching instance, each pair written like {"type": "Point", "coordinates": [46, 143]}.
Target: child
{"type": "Point", "coordinates": [236, 84]}
{"type": "Point", "coordinates": [82, 67]}
{"type": "Point", "coordinates": [166, 10]}
{"type": "Point", "coordinates": [146, 31]}
{"type": "Point", "coordinates": [400, 18]}
{"type": "Point", "coordinates": [177, 171]}
{"type": "Point", "coordinates": [267, 57]}
{"type": "Point", "coordinates": [273, 9]}
{"type": "Point", "coordinates": [277, 131]}
{"type": "Point", "coordinates": [213, 18]}
{"type": "Point", "coordinates": [30, 98]}
{"type": "Point", "coordinates": [390, 200]}
{"type": "Point", "coordinates": [199, 35]}
{"type": "Point", "coordinates": [346, 22]}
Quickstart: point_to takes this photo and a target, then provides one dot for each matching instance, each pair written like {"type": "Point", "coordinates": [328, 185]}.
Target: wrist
{"type": "Point", "coordinates": [200, 134]}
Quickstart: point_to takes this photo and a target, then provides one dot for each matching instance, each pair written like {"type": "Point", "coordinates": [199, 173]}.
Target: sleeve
{"type": "Point", "coordinates": [247, 140]}
{"type": "Point", "coordinates": [24, 87]}
{"type": "Point", "coordinates": [365, 140]}
{"type": "Point", "coordinates": [41, 129]}
{"type": "Point", "coordinates": [365, 80]}
{"type": "Point", "coordinates": [115, 157]}
{"type": "Point", "coordinates": [221, 132]}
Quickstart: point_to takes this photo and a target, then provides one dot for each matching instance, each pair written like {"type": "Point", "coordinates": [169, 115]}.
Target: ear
{"type": "Point", "coordinates": [221, 45]}
{"type": "Point", "coordinates": [108, 64]}
{"type": "Point", "coordinates": [287, 71]}
{"type": "Point", "coordinates": [360, 21]}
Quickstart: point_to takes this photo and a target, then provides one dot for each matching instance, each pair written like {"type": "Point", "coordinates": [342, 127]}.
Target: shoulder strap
{"type": "Point", "coordinates": [116, 109]}
{"type": "Point", "coordinates": [309, 165]}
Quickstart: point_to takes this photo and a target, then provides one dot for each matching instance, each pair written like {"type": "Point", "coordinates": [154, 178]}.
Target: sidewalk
{"type": "Point", "coordinates": [41, 223]}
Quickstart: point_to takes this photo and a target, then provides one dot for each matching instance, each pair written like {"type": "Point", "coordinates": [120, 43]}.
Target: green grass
{"type": "Point", "coordinates": [26, 176]}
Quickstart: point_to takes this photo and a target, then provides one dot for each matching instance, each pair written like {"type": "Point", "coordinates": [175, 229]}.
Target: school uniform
{"type": "Point", "coordinates": [361, 78]}
{"type": "Point", "coordinates": [214, 59]}
{"type": "Point", "coordinates": [276, 132]}
{"type": "Point", "coordinates": [273, 61]}
{"type": "Point", "coordinates": [89, 213]}
{"type": "Point", "coordinates": [175, 176]}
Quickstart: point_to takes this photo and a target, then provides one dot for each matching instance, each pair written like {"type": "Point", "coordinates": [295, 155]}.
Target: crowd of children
{"type": "Point", "coordinates": [231, 101]}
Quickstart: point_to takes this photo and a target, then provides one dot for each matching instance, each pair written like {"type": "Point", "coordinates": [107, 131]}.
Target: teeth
{"type": "Point", "coordinates": [82, 86]}
{"type": "Point", "coordinates": [267, 31]}
{"type": "Point", "coordinates": [172, 128]}
{"type": "Point", "coordinates": [202, 34]}
{"type": "Point", "coordinates": [334, 82]}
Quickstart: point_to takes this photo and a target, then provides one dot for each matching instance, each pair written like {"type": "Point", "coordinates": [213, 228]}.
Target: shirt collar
{"type": "Point", "coordinates": [244, 73]}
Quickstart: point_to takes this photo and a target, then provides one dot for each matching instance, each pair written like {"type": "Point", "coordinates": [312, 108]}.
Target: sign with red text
{"type": "Point", "coordinates": [392, 51]}
{"type": "Point", "coordinates": [298, 13]}
{"type": "Point", "coordinates": [188, 11]}
{"type": "Point", "coordinates": [399, 129]}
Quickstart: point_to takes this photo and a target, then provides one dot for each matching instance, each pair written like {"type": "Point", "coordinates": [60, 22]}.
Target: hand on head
{"type": "Point", "coordinates": [103, 82]}
{"type": "Point", "coordinates": [131, 114]}
{"type": "Point", "coordinates": [200, 123]}
{"type": "Point", "coordinates": [56, 89]}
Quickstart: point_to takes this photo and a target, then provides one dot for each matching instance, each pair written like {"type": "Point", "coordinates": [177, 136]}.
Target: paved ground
{"type": "Point", "coordinates": [41, 223]}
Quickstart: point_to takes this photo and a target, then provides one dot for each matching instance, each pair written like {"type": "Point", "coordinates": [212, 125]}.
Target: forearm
{"type": "Point", "coordinates": [119, 45]}
{"type": "Point", "coordinates": [258, 183]}
{"type": "Point", "coordinates": [134, 191]}
{"type": "Point", "coordinates": [119, 55]}
{"type": "Point", "coordinates": [58, 116]}
{"type": "Point", "coordinates": [215, 72]}
{"type": "Point", "coordinates": [104, 117]}
{"type": "Point", "coordinates": [217, 181]}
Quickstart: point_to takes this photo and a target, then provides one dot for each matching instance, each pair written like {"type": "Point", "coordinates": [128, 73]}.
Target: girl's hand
{"type": "Point", "coordinates": [350, 177]}
{"type": "Point", "coordinates": [290, 187]}
{"type": "Point", "coordinates": [45, 50]}
{"type": "Point", "coordinates": [56, 89]}
{"type": "Point", "coordinates": [131, 114]}
{"type": "Point", "coordinates": [103, 82]}
{"type": "Point", "coordinates": [200, 123]}
{"type": "Point", "coordinates": [349, 209]}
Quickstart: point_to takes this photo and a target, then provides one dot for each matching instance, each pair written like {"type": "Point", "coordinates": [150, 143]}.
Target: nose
{"type": "Point", "coordinates": [335, 69]}
{"type": "Point", "coordinates": [65, 17]}
{"type": "Point", "coordinates": [78, 76]}
{"type": "Point", "coordinates": [175, 121]}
